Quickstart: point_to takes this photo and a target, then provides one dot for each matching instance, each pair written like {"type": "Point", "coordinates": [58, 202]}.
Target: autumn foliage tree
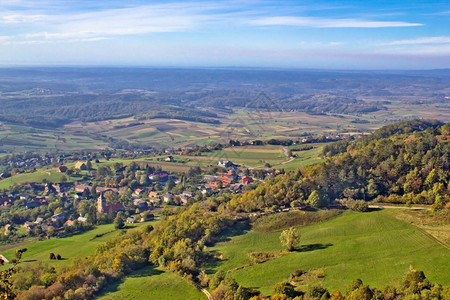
{"type": "Point", "coordinates": [290, 238]}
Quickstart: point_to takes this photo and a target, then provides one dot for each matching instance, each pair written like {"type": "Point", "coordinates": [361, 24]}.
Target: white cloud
{"type": "Point", "coordinates": [328, 23]}
{"type": "Point", "coordinates": [102, 24]}
{"type": "Point", "coordinates": [21, 18]}
{"type": "Point", "coordinates": [422, 40]}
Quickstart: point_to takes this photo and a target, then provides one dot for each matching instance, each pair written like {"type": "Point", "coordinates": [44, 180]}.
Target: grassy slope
{"type": "Point", "coordinates": [78, 245]}
{"type": "Point", "coordinates": [303, 159]}
{"type": "Point", "coordinates": [372, 246]}
{"type": "Point", "coordinates": [150, 283]}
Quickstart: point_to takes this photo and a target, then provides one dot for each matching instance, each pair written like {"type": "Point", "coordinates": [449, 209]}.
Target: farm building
{"type": "Point", "coordinates": [80, 165]}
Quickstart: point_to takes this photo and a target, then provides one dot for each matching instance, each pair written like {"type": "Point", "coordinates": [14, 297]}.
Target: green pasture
{"type": "Point", "coordinates": [374, 247]}
{"type": "Point", "coordinates": [245, 156]}
{"type": "Point", "coordinates": [151, 283]}
{"type": "Point", "coordinates": [50, 175]}
{"type": "Point", "coordinates": [78, 245]}
{"type": "Point", "coordinates": [303, 159]}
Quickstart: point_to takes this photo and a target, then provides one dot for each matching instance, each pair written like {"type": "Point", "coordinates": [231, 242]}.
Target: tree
{"type": "Point", "coordinates": [118, 221]}
{"type": "Point", "coordinates": [89, 165]}
{"type": "Point", "coordinates": [6, 284]}
{"type": "Point", "coordinates": [284, 288]}
{"type": "Point", "coordinates": [63, 178]}
{"type": "Point", "coordinates": [314, 199]}
{"type": "Point", "coordinates": [144, 181]}
{"type": "Point", "coordinates": [170, 184]}
{"type": "Point", "coordinates": [290, 238]}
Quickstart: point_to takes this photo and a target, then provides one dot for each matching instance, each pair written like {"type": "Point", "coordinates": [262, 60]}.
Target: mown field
{"type": "Point", "coordinates": [151, 283]}
{"type": "Point", "coordinates": [375, 246]}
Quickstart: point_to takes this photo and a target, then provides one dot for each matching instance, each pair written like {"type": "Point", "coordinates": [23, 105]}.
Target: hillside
{"type": "Point", "coordinates": [183, 240]}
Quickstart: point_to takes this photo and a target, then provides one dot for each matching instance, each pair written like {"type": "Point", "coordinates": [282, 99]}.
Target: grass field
{"type": "Point", "coordinates": [151, 283]}
{"type": "Point", "coordinates": [48, 174]}
{"type": "Point", "coordinates": [78, 245]}
{"type": "Point", "coordinates": [252, 156]}
{"type": "Point", "coordinates": [303, 159]}
{"type": "Point", "coordinates": [375, 247]}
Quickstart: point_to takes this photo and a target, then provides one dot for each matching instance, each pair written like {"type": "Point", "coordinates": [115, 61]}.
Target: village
{"type": "Point", "coordinates": [138, 193]}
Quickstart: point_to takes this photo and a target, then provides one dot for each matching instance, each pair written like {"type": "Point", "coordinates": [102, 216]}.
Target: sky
{"type": "Point", "coordinates": [248, 33]}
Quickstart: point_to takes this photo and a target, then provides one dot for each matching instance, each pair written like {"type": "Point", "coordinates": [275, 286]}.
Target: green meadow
{"type": "Point", "coordinates": [374, 246]}
{"type": "Point", "coordinates": [78, 245]}
{"type": "Point", "coordinates": [151, 283]}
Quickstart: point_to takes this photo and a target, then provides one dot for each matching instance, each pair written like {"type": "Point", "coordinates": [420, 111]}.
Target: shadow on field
{"type": "Point", "coordinates": [312, 247]}
{"type": "Point", "coordinates": [370, 209]}
{"type": "Point", "coordinates": [239, 229]}
{"type": "Point", "coordinates": [144, 272]}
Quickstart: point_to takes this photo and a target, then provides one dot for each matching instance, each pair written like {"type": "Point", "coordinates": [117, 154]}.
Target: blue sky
{"type": "Point", "coordinates": [246, 33]}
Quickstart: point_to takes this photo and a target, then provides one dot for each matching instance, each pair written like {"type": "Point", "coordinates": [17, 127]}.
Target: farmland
{"type": "Point", "coordinates": [163, 133]}
{"type": "Point", "coordinates": [375, 247]}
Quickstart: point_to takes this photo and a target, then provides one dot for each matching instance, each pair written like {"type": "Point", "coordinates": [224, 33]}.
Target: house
{"type": "Point", "coordinates": [247, 180]}
{"type": "Point", "coordinates": [50, 189]}
{"type": "Point", "coordinates": [206, 190]}
{"type": "Point", "coordinates": [62, 169]}
{"type": "Point", "coordinates": [24, 197]}
{"type": "Point", "coordinates": [39, 220]}
{"type": "Point", "coordinates": [32, 204]}
{"type": "Point", "coordinates": [161, 176]}
{"type": "Point", "coordinates": [60, 216]}
{"type": "Point", "coordinates": [29, 225]}
{"type": "Point", "coordinates": [69, 223]}
{"type": "Point", "coordinates": [79, 188]}
{"type": "Point", "coordinates": [211, 178]}
{"type": "Point", "coordinates": [146, 216]}
{"type": "Point", "coordinates": [154, 195]}
{"type": "Point", "coordinates": [130, 220]}
{"type": "Point", "coordinates": [5, 260]}
{"type": "Point", "coordinates": [237, 188]}
{"type": "Point", "coordinates": [168, 197]}
{"type": "Point", "coordinates": [154, 200]}
{"type": "Point", "coordinates": [81, 219]}
{"type": "Point", "coordinates": [169, 159]}
{"type": "Point", "coordinates": [80, 165]}
{"type": "Point", "coordinates": [101, 189]}
{"type": "Point", "coordinates": [188, 194]}
{"type": "Point", "coordinates": [139, 192]}
{"type": "Point", "coordinates": [212, 186]}
{"type": "Point", "coordinates": [225, 163]}
{"type": "Point", "coordinates": [4, 201]}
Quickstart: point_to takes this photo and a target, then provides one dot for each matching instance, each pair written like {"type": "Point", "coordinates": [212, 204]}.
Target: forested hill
{"type": "Point", "coordinates": [406, 167]}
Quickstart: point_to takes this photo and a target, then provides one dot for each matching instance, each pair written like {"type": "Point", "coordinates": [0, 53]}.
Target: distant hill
{"type": "Point", "coordinates": [62, 95]}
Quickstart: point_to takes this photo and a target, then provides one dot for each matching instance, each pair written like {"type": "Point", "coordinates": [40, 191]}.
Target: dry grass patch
{"type": "Point", "coordinates": [281, 221]}
{"type": "Point", "coordinates": [435, 224]}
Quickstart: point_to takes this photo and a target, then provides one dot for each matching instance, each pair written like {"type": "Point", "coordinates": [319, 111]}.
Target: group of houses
{"type": "Point", "coordinates": [143, 198]}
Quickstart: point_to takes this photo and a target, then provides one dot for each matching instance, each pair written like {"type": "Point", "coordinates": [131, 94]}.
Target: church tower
{"type": "Point", "coordinates": [101, 203]}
